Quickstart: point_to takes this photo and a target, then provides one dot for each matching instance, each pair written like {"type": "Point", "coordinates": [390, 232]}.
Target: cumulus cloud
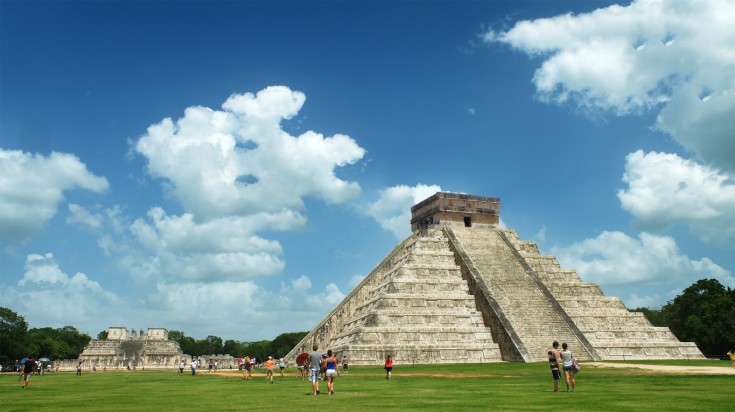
{"type": "Point", "coordinates": [50, 297]}
{"type": "Point", "coordinates": [393, 208]}
{"type": "Point", "coordinates": [239, 160]}
{"type": "Point", "coordinates": [616, 261]}
{"type": "Point", "coordinates": [253, 312]}
{"type": "Point", "coordinates": [32, 187]}
{"type": "Point", "coordinates": [665, 190]}
{"type": "Point", "coordinates": [674, 55]}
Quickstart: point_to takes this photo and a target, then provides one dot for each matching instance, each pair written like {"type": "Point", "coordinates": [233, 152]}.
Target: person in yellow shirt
{"type": "Point", "coordinates": [731, 354]}
{"type": "Point", "coordinates": [269, 369]}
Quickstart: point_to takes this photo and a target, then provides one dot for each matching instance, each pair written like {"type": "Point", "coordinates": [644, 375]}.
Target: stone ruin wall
{"type": "Point", "coordinates": [122, 350]}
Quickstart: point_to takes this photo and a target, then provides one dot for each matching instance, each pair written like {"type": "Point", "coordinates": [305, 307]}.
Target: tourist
{"type": "Point", "coordinates": [331, 371]}
{"type": "Point", "coordinates": [300, 372]}
{"type": "Point", "coordinates": [567, 359]}
{"type": "Point", "coordinates": [731, 354]}
{"type": "Point", "coordinates": [315, 361]}
{"type": "Point", "coordinates": [28, 367]}
{"type": "Point", "coordinates": [345, 365]}
{"type": "Point", "coordinates": [323, 369]}
{"type": "Point", "coordinates": [388, 366]}
{"type": "Point", "coordinates": [554, 361]}
{"type": "Point", "coordinates": [282, 365]}
{"type": "Point", "coordinates": [246, 374]}
{"type": "Point", "coordinates": [269, 369]}
{"type": "Point", "coordinates": [182, 365]}
{"type": "Point", "coordinates": [193, 367]}
{"type": "Point", "coordinates": [79, 368]}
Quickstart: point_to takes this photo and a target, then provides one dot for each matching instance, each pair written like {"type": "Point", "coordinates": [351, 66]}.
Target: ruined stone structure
{"type": "Point", "coordinates": [461, 289]}
{"type": "Point", "coordinates": [151, 350]}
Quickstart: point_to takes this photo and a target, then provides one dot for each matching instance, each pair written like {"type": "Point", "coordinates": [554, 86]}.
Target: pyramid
{"type": "Point", "coordinates": [461, 289]}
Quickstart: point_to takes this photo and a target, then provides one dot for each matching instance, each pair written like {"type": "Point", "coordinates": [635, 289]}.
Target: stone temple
{"type": "Point", "coordinates": [152, 350]}
{"type": "Point", "coordinates": [462, 289]}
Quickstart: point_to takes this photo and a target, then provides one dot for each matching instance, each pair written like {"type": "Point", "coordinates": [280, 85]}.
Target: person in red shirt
{"type": "Point", "coordinates": [388, 366]}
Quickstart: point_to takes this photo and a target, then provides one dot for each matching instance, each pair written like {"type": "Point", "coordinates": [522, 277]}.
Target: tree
{"type": "Point", "coordinates": [284, 342]}
{"type": "Point", "coordinates": [103, 335]}
{"type": "Point", "coordinates": [213, 345]}
{"type": "Point", "coordinates": [13, 335]}
{"type": "Point", "coordinates": [61, 343]}
{"type": "Point", "coordinates": [234, 347]}
{"type": "Point", "coordinates": [705, 314]}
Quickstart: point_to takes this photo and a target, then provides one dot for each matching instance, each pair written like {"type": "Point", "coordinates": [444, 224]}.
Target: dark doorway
{"type": "Point", "coordinates": [467, 221]}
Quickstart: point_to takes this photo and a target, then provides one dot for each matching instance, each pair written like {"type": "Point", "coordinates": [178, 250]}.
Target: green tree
{"type": "Point", "coordinates": [213, 345]}
{"type": "Point", "coordinates": [260, 349]}
{"type": "Point", "coordinates": [13, 336]}
{"type": "Point", "coordinates": [234, 348]}
{"type": "Point", "coordinates": [284, 342]}
{"type": "Point", "coordinates": [705, 314]}
{"type": "Point", "coordinates": [103, 335]}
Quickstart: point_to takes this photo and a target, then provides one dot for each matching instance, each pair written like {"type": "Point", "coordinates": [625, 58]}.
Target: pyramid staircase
{"type": "Point", "coordinates": [414, 306]}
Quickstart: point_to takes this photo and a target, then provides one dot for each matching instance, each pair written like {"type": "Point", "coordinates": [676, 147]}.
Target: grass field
{"type": "Point", "coordinates": [503, 386]}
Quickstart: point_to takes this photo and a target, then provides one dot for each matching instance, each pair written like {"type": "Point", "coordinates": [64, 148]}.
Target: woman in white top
{"type": "Point", "coordinates": [567, 360]}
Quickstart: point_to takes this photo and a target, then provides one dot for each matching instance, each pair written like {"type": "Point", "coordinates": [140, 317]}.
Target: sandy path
{"type": "Point", "coordinates": [695, 370]}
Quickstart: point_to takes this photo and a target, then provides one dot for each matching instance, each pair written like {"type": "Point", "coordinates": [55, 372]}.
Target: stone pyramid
{"type": "Point", "coordinates": [461, 289]}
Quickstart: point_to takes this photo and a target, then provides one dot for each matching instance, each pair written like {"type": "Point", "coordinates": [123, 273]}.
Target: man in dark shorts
{"type": "Point", "coordinates": [554, 361]}
{"type": "Point", "coordinates": [27, 370]}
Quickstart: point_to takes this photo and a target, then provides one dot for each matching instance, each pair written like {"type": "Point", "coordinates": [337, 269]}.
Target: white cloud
{"type": "Point", "coordinates": [32, 187]}
{"type": "Point", "coordinates": [50, 297]}
{"type": "Point", "coordinates": [240, 160]}
{"type": "Point", "coordinates": [252, 312]}
{"type": "Point", "coordinates": [80, 215]}
{"type": "Point", "coordinates": [393, 208]}
{"type": "Point", "coordinates": [614, 259]}
{"type": "Point", "coordinates": [677, 55]}
{"type": "Point", "coordinates": [665, 190]}
{"type": "Point", "coordinates": [219, 249]}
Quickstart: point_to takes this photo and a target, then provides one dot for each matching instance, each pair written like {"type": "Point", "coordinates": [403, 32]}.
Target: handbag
{"type": "Point", "coordinates": [575, 366]}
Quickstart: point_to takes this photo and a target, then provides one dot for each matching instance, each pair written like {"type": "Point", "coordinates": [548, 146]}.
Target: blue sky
{"type": "Point", "coordinates": [236, 168]}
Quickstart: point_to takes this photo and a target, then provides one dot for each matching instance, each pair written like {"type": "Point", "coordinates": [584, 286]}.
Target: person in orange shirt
{"type": "Point", "coordinates": [269, 369]}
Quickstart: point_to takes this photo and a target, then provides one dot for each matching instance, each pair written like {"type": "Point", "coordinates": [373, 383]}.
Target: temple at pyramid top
{"type": "Point", "coordinates": [445, 208]}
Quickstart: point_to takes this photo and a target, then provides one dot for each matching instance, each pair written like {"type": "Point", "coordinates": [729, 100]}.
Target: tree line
{"type": "Point", "coordinates": [17, 342]}
{"type": "Point", "coordinates": [704, 313]}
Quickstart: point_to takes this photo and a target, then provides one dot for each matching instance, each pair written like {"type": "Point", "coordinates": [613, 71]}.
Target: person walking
{"type": "Point", "coordinates": [79, 368]}
{"type": "Point", "coordinates": [27, 369]}
{"type": "Point", "coordinates": [332, 371]}
{"type": "Point", "coordinates": [388, 366]}
{"type": "Point", "coordinates": [282, 365]}
{"type": "Point", "coordinates": [567, 359]}
{"type": "Point", "coordinates": [269, 369]}
{"type": "Point", "coordinates": [731, 354]}
{"type": "Point", "coordinates": [554, 361]}
{"type": "Point", "coordinates": [315, 362]}
{"type": "Point", "coordinates": [345, 364]}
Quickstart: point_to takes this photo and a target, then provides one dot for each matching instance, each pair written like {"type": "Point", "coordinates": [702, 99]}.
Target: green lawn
{"type": "Point", "coordinates": [504, 386]}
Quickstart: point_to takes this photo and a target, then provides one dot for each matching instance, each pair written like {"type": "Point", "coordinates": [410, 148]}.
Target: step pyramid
{"type": "Point", "coordinates": [460, 289]}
